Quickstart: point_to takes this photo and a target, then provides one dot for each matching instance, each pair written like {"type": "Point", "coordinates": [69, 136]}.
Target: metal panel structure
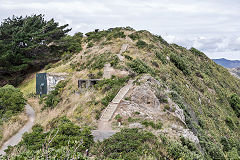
{"type": "Point", "coordinates": [41, 83]}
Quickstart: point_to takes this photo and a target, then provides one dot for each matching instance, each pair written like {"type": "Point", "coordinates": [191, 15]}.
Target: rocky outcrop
{"type": "Point", "coordinates": [142, 102]}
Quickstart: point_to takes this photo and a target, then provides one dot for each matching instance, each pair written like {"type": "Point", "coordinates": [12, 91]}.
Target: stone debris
{"type": "Point", "coordinates": [135, 125]}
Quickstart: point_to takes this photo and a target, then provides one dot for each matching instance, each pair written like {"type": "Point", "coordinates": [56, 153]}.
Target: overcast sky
{"type": "Point", "coordinates": [213, 26]}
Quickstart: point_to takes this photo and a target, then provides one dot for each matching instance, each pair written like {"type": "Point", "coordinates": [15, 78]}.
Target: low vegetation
{"type": "Point", "coordinates": [54, 97]}
{"type": "Point", "coordinates": [206, 92]}
{"type": "Point", "coordinates": [12, 103]}
{"type": "Point", "coordinates": [64, 141]}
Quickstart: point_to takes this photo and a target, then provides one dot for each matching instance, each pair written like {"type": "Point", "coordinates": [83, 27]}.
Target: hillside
{"type": "Point", "coordinates": [181, 104]}
{"type": "Point", "coordinates": [227, 63]}
{"type": "Point", "coordinates": [235, 72]}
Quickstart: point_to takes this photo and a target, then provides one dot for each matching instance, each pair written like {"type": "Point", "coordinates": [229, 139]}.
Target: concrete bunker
{"type": "Point", "coordinates": [87, 83]}
{"type": "Point", "coordinates": [46, 82]}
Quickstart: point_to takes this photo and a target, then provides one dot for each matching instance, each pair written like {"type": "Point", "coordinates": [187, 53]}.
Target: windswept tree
{"type": "Point", "coordinates": [27, 42]}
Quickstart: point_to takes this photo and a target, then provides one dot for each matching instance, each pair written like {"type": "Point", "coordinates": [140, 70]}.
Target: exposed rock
{"type": "Point", "coordinates": [143, 100]}
{"type": "Point", "coordinates": [135, 125]}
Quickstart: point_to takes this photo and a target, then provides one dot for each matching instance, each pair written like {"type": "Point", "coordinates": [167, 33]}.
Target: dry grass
{"type": "Point", "coordinates": [13, 126]}
{"type": "Point", "coordinates": [80, 108]}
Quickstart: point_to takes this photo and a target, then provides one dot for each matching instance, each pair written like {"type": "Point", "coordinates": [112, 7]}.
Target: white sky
{"type": "Point", "coordinates": [213, 26]}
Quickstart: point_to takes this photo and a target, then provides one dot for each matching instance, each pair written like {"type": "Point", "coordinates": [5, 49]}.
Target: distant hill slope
{"type": "Point", "coordinates": [227, 63]}
{"type": "Point", "coordinates": [235, 72]}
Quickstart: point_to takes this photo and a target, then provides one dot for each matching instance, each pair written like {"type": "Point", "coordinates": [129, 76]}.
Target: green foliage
{"type": "Point", "coordinates": [112, 86]}
{"type": "Point", "coordinates": [161, 97]}
{"type": "Point", "coordinates": [116, 34]}
{"type": "Point", "coordinates": [99, 61]}
{"type": "Point", "coordinates": [230, 123]}
{"type": "Point", "coordinates": [24, 42]}
{"type": "Point", "coordinates": [129, 144]}
{"type": "Point", "coordinates": [213, 150]}
{"type": "Point", "coordinates": [134, 36]}
{"type": "Point", "coordinates": [62, 137]}
{"type": "Point", "coordinates": [96, 36]}
{"type": "Point", "coordinates": [90, 45]}
{"type": "Point", "coordinates": [61, 153]}
{"type": "Point", "coordinates": [161, 57]}
{"type": "Point", "coordinates": [157, 125]}
{"type": "Point", "coordinates": [54, 97]}
{"type": "Point", "coordinates": [180, 64]}
{"type": "Point", "coordinates": [235, 104]}
{"type": "Point", "coordinates": [197, 52]}
{"type": "Point", "coordinates": [141, 44]}
{"type": "Point", "coordinates": [118, 117]}
{"type": "Point", "coordinates": [190, 145]}
{"type": "Point", "coordinates": [140, 67]}
{"type": "Point", "coordinates": [73, 43]}
{"type": "Point", "coordinates": [11, 101]}
{"type": "Point", "coordinates": [128, 57]}
{"type": "Point", "coordinates": [178, 151]}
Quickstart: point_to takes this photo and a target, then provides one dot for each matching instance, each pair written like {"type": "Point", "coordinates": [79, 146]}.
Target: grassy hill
{"type": "Point", "coordinates": [207, 94]}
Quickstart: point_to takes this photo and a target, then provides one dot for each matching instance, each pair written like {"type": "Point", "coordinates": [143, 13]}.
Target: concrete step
{"type": "Point", "coordinates": [101, 135]}
{"type": "Point", "coordinates": [111, 108]}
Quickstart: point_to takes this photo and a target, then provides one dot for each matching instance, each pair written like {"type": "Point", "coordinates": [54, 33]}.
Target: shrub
{"type": "Point", "coordinates": [157, 125]}
{"type": "Point", "coordinates": [52, 99]}
{"type": "Point", "coordinates": [140, 67]}
{"type": "Point", "coordinates": [155, 64]}
{"type": "Point", "coordinates": [129, 144]}
{"type": "Point", "coordinates": [64, 133]}
{"type": "Point", "coordinates": [112, 86]}
{"type": "Point", "coordinates": [118, 118]}
{"type": "Point", "coordinates": [161, 57]}
{"type": "Point", "coordinates": [230, 123]}
{"type": "Point", "coordinates": [128, 57]}
{"type": "Point", "coordinates": [234, 101]}
{"type": "Point", "coordinates": [90, 45]}
{"type": "Point", "coordinates": [98, 62]}
{"type": "Point", "coordinates": [98, 114]}
{"type": "Point", "coordinates": [161, 97]}
{"type": "Point", "coordinates": [141, 44]}
{"type": "Point", "coordinates": [11, 100]}
{"type": "Point", "coordinates": [134, 36]}
{"type": "Point", "coordinates": [180, 64]}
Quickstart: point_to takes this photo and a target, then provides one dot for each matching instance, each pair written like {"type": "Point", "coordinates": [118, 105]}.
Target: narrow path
{"type": "Point", "coordinates": [14, 140]}
{"type": "Point", "coordinates": [104, 125]}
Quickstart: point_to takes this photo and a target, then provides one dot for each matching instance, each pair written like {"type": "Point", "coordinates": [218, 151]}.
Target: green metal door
{"type": "Point", "coordinates": [41, 83]}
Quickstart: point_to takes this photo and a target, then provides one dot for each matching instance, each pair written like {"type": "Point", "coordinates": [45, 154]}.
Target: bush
{"type": "Point", "coordinates": [161, 97]}
{"type": "Point", "coordinates": [90, 45]}
{"type": "Point", "coordinates": [161, 57]}
{"type": "Point", "coordinates": [52, 99]}
{"type": "Point", "coordinates": [98, 62]}
{"type": "Point", "coordinates": [141, 44]}
{"type": "Point", "coordinates": [63, 140]}
{"type": "Point", "coordinates": [129, 144]}
{"type": "Point", "coordinates": [140, 67]}
{"type": "Point", "coordinates": [230, 123]}
{"type": "Point", "coordinates": [128, 57]}
{"type": "Point", "coordinates": [234, 101]}
{"type": "Point", "coordinates": [180, 64]}
{"type": "Point", "coordinates": [11, 100]}
{"type": "Point", "coordinates": [134, 36]}
{"type": "Point", "coordinates": [157, 125]}
{"type": "Point", "coordinates": [63, 133]}
{"type": "Point", "coordinates": [112, 86]}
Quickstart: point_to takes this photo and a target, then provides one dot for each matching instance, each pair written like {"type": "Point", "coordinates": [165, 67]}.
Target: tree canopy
{"type": "Point", "coordinates": [28, 41]}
